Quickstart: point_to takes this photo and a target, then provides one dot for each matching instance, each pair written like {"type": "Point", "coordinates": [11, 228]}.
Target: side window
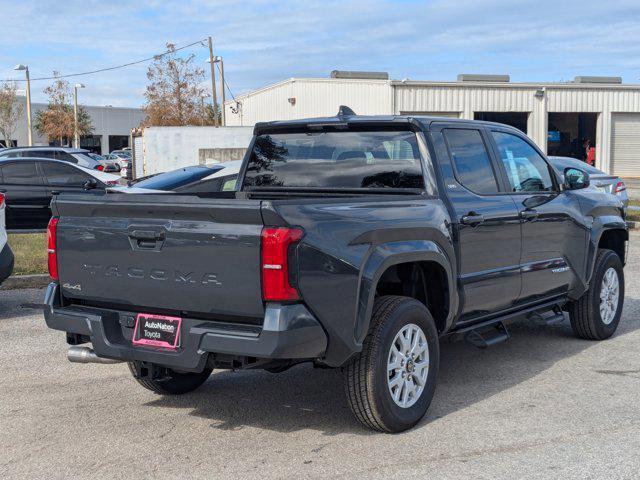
{"type": "Point", "coordinates": [66, 157]}
{"type": "Point", "coordinates": [471, 160]}
{"type": "Point", "coordinates": [43, 153]}
{"type": "Point", "coordinates": [20, 173]}
{"type": "Point", "coordinates": [63, 175]}
{"type": "Point", "coordinates": [229, 183]}
{"type": "Point", "coordinates": [526, 169]}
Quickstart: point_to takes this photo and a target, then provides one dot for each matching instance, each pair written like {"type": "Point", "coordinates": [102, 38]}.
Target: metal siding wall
{"type": "Point", "coordinates": [468, 99]}
{"type": "Point", "coordinates": [321, 97]}
{"type": "Point", "coordinates": [314, 98]}
{"type": "Point", "coordinates": [168, 148]}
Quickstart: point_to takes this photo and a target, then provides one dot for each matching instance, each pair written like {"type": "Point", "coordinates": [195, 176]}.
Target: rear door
{"type": "Point", "coordinates": [26, 197]}
{"type": "Point", "coordinates": [554, 235]}
{"type": "Point", "coordinates": [487, 223]}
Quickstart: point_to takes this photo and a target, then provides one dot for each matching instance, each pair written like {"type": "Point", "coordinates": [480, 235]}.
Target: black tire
{"type": "Point", "coordinates": [172, 383]}
{"type": "Point", "coordinates": [366, 375]}
{"type": "Point", "coordinates": [584, 313]}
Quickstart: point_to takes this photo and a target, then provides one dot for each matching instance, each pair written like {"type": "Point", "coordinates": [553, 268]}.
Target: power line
{"type": "Point", "coordinates": [107, 68]}
{"type": "Point", "coordinates": [226, 83]}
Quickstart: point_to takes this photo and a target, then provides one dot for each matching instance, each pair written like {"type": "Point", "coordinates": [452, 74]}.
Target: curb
{"type": "Point", "coordinates": [26, 281]}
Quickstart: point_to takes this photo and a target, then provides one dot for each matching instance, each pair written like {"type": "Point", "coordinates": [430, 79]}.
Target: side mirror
{"type": "Point", "coordinates": [90, 184]}
{"type": "Point", "coordinates": [575, 179]}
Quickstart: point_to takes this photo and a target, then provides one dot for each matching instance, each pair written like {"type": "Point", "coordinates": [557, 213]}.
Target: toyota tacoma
{"type": "Point", "coordinates": [352, 242]}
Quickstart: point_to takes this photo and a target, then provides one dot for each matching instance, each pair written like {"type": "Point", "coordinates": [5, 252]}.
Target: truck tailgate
{"type": "Point", "coordinates": [194, 256]}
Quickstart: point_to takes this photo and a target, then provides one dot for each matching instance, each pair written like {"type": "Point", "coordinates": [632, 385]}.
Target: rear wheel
{"type": "Point", "coordinates": [596, 315]}
{"type": "Point", "coordinates": [390, 384]}
{"type": "Point", "coordinates": [169, 382]}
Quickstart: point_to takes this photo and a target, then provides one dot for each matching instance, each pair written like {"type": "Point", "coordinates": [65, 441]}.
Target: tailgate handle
{"type": "Point", "coordinates": [148, 235]}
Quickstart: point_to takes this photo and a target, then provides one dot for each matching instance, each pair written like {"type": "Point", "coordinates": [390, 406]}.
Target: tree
{"type": "Point", "coordinates": [10, 112]}
{"type": "Point", "coordinates": [57, 120]}
{"type": "Point", "coordinates": [174, 94]}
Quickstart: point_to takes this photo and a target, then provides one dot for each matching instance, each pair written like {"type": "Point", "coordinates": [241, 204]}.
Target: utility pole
{"type": "Point", "coordinates": [224, 120]}
{"type": "Point", "coordinates": [213, 82]}
{"type": "Point", "coordinates": [76, 136]}
{"type": "Point", "coordinates": [29, 128]}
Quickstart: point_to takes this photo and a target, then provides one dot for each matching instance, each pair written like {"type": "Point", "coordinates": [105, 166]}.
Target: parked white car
{"type": "Point", "coordinates": [197, 179]}
{"type": "Point", "coordinates": [6, 255]}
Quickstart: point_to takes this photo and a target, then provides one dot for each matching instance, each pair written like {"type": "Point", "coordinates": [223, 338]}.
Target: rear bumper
{"type": "Point", "coordinates": [6, 263]}
{"type": "Point", "coordinates": [288, 332]}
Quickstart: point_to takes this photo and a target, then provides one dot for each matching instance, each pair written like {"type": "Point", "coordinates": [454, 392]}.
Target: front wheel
{"type": "Point", "coordinates": [596, 315]}
{"type": "Point", "coordinates": [390, 383]}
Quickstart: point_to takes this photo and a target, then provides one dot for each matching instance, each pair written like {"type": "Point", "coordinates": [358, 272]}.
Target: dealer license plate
{"type": "Point", "coordinates": [157, 331]}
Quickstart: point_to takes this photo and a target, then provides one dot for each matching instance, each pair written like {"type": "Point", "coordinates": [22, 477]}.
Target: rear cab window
{"type": "Point", "coordinates": [335, 160]}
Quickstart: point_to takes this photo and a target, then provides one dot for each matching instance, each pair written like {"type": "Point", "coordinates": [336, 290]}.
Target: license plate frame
{"type": "Point", "coordinates": [154, 332]}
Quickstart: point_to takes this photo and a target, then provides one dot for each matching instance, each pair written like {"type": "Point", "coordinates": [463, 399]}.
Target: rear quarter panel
{"type": "Point", "coordinates": [348, 244]}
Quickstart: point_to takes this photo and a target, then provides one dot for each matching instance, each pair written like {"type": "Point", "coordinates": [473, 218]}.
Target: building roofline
{"type": "Point", "coordinates": [432, 83]}
{"type": "Point", "coordinates": [83, 105]}
{"type": "Point", "coordinates": [305, 79]}
{"type": "Point", "coordinates": [527, 85]}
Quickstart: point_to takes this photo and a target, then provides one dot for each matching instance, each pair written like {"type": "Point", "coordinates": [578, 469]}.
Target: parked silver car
{"type": "Point", "coordinates": [599, 180]}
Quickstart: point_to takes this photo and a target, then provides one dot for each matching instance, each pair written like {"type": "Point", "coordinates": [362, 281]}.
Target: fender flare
{"type": "Point", "coordinates": [599, 227]}
{"type": "Point", "coordinates": [388, 254]}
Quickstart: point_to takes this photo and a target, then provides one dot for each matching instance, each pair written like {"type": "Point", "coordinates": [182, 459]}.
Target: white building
{"type": "Point", "coordinates": [559, 117]}
{"type": "Point", "coordinates": [111, 127]}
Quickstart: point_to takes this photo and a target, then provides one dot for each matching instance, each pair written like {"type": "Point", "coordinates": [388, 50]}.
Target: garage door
{"type": "Point", "coordinates": [625, 144]}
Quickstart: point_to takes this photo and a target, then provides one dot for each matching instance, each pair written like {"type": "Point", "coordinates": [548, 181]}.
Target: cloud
{"type": "Point", "coordinates": [266, 41]}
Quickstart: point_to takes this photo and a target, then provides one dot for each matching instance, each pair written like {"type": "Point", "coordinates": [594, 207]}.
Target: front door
{"type": "Point", "coordinates": [553, 237]}
{"type": "Point", "coordinates": [486, 223]}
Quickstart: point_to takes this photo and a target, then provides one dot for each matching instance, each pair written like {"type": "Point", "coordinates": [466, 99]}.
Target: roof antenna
{"type": "Point", "coordinates": [345, 111]}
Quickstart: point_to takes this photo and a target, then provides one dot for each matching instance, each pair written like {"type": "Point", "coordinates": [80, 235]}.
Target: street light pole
{"type": "Point", "coordinates": [213, 82]}
{"type": "Point", "coordinates": [76, 136]}
{"type": "Point", "coordinates": [29, 129]}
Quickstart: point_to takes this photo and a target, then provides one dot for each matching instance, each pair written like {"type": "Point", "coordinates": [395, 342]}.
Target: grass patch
{"type": "Point", "coordinates": [30, 252]}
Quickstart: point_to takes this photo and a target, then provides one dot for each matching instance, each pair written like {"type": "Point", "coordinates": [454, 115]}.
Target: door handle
{"type": "Point", "coordinates": [147, 235]}
{"type": "Point", "coordinates": [529, 214]}
{"type": "Point", "coordinates": [472, 219]}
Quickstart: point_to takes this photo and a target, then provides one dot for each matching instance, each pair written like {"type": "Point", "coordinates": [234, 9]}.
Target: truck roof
{"type": "Point", "coordinates": [348, 118]}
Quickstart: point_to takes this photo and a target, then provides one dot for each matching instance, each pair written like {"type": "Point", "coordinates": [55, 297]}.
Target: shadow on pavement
{"type": "Point", "coordinates": [307, 398]}
{"type": "Point", "coordinates": [11, 301]}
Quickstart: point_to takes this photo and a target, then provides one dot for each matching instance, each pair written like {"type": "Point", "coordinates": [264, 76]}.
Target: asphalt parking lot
{"type": "Point", "coordinates": [543, 405]}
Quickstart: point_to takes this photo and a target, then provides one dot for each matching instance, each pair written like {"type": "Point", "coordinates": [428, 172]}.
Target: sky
{"type": "Point", "coordinates": [263, 42]}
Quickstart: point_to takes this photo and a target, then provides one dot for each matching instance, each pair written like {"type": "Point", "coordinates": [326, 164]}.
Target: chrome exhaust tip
{"type": "Point", "coordinates": [78, 354]}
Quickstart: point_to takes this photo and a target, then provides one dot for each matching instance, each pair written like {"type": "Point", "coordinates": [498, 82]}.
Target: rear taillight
{"type": "Point", "coordinates": [100, 167]}
{"type": "Point", "coordinates": [620, 187]}
{"type": "Point", "coordinates": [276, 286]}
{"type": "Point", "coordinates": [1, 199]}
{"type": "Point", "coordinates": [52, 260]}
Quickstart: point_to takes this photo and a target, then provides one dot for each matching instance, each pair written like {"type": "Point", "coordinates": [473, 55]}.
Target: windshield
{"type": "Point", "coordinates": [336, 159]}
{"type": "Point", "coordinates": [175, 178]}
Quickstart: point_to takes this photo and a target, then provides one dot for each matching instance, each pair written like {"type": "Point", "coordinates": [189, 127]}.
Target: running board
{"type": "Point", "coordinates": [485, 333]}
{"type": "Point", "coordinates": [488, 336]}
{"type": "Point", "coordinates": [547, 318]}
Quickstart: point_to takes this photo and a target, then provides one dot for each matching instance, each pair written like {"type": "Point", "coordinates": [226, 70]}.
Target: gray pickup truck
{"type": "Point", "coordinates": [351, 242]}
